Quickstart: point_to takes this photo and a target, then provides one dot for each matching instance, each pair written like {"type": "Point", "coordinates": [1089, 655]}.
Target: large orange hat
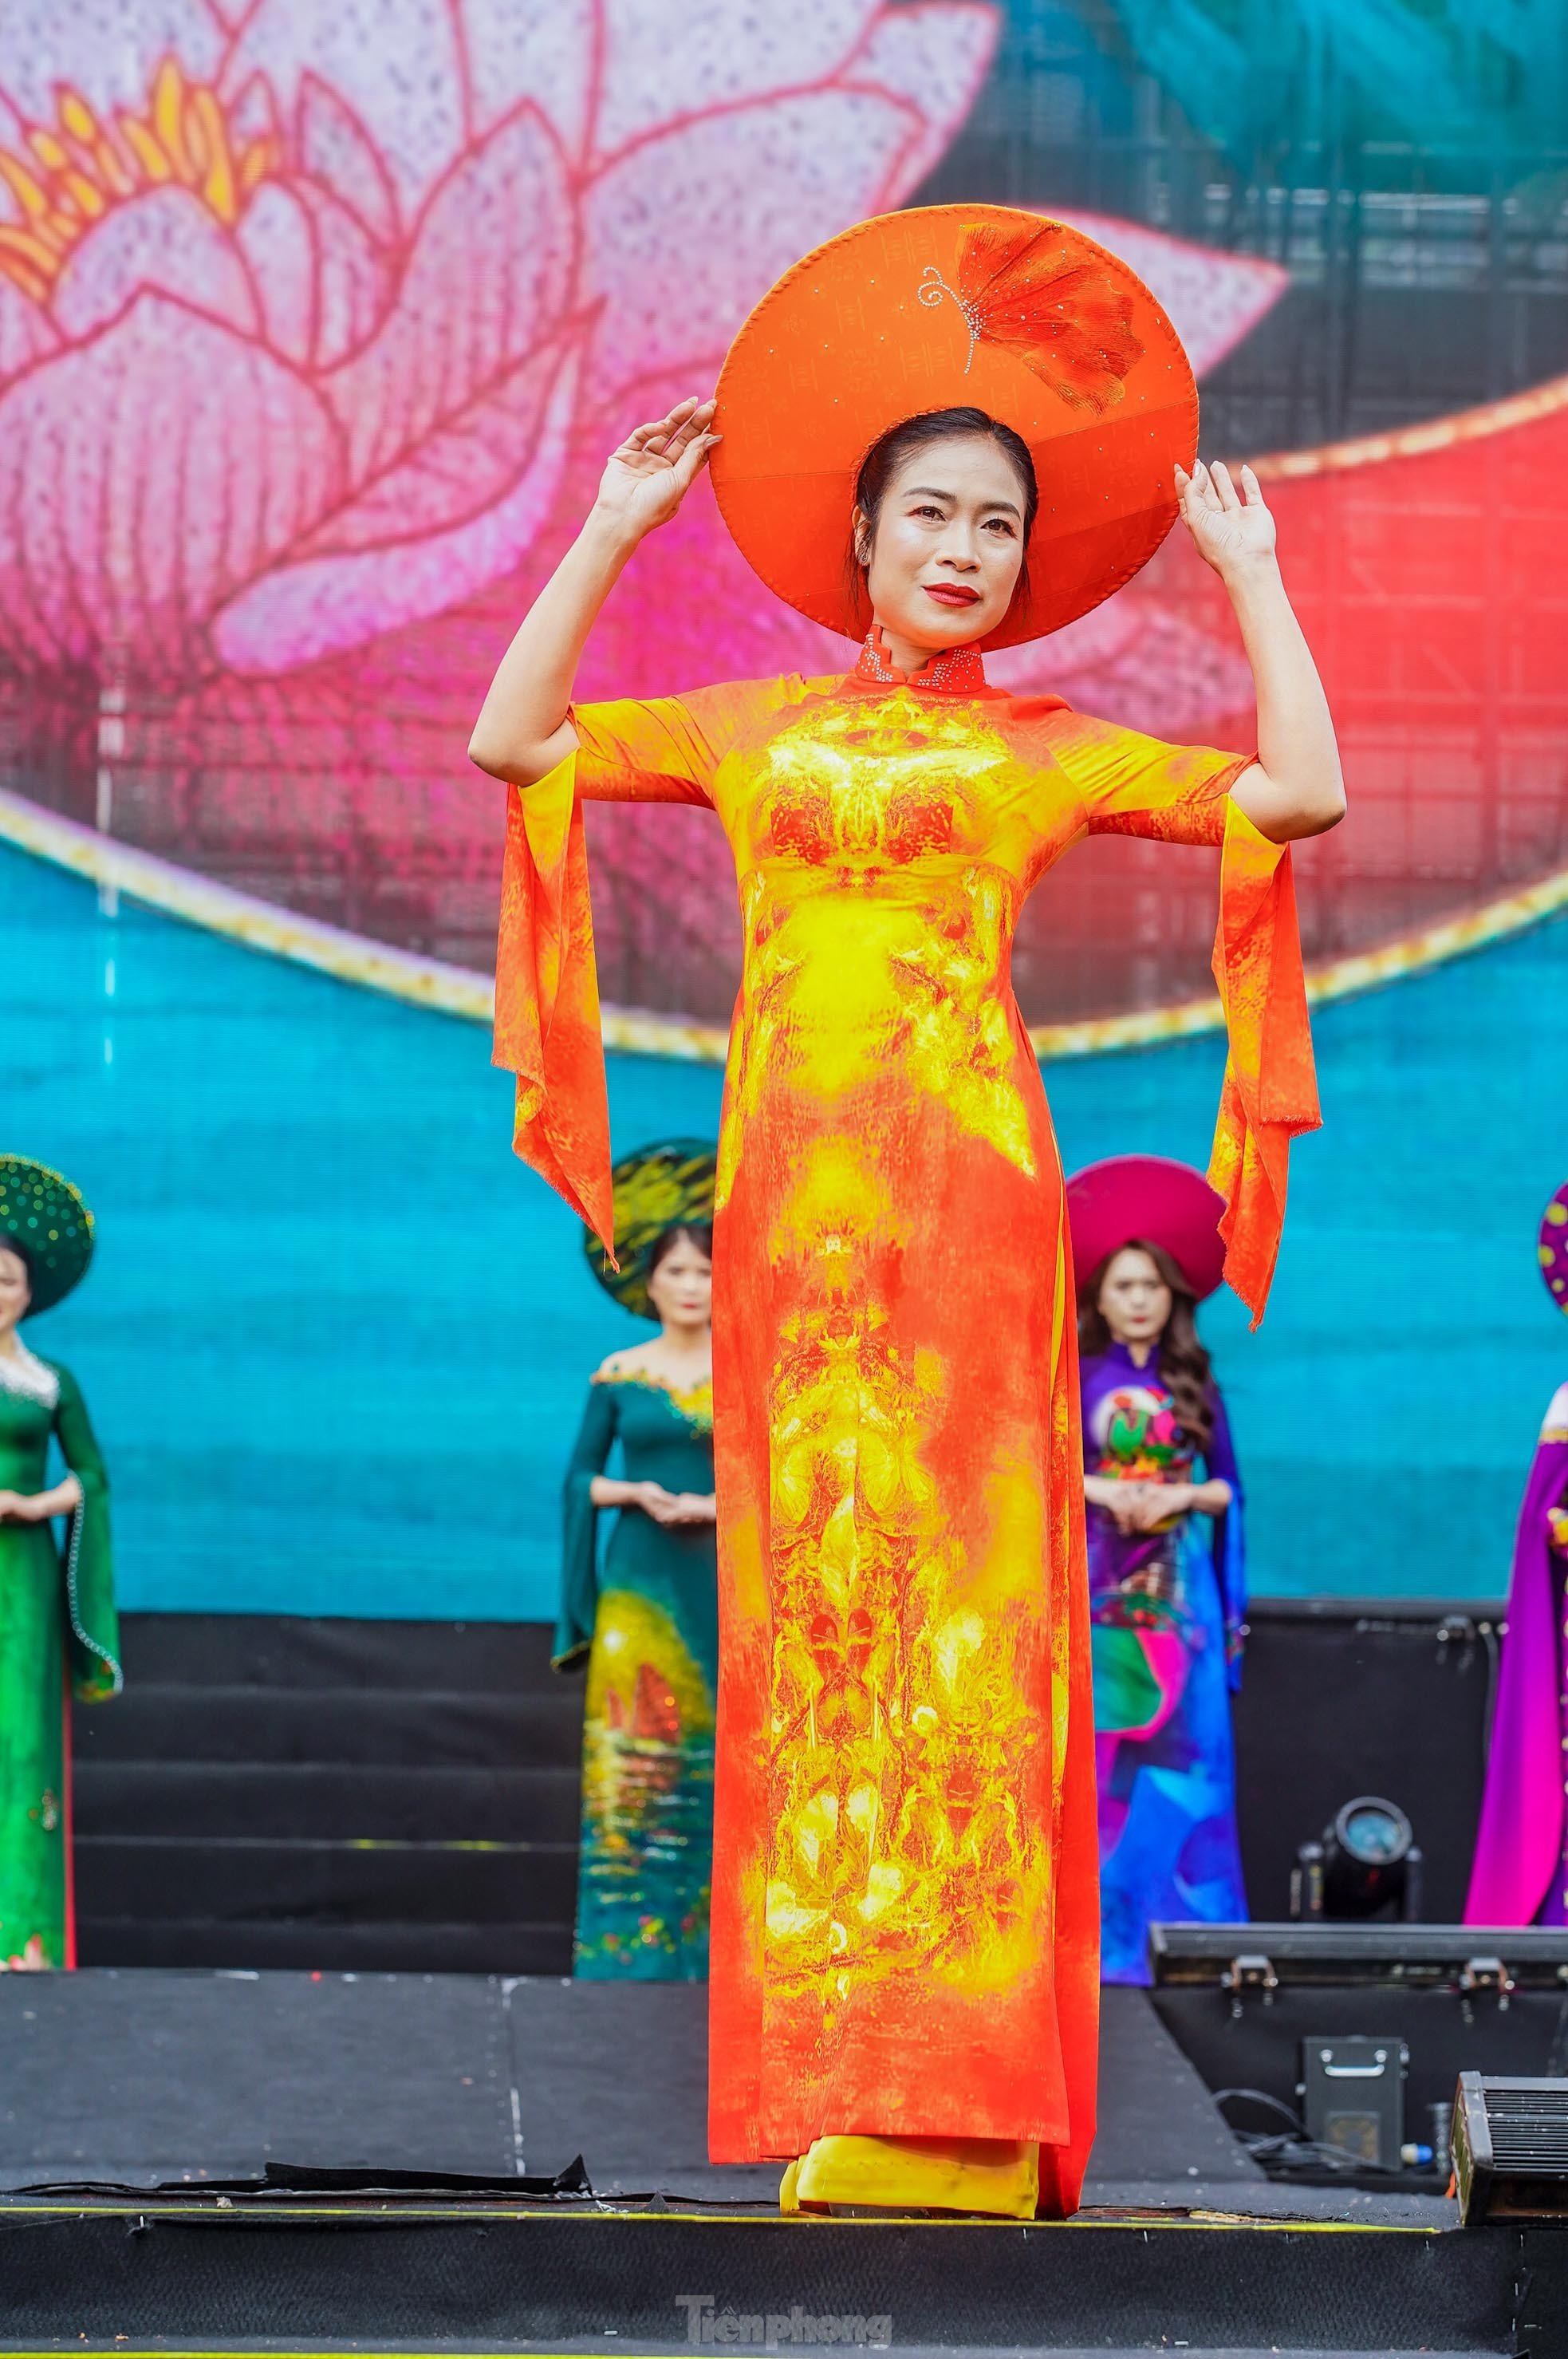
{"type": "Point", "coordinates": [980, 305]}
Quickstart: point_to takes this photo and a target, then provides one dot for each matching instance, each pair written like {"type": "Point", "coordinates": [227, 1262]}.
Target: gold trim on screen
{"type": "Point", "coordinates": [448, 990]}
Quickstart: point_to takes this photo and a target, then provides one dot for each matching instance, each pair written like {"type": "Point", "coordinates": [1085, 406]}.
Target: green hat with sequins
{"type": "Point", "coordinates": [45, 1215]}
{"type": "Point", "coordinates": [666, 1186]}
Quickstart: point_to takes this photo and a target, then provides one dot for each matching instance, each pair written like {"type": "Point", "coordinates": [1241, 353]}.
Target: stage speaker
{"type": "Point", "coordinates": [1353, 2097]}
{"type": "Point", "coordinates": [1252, 2007]}
{"type": "Point", "coordinates": [1510, 2148]}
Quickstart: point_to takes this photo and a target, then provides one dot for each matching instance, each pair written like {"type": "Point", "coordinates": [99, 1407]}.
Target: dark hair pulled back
{"type": "Point", "coordinates": [697, 1233]}
{"type": "Point", "coordinates": [889, 450]}
{"type": "Point", "coordinates": [1184, 1368]}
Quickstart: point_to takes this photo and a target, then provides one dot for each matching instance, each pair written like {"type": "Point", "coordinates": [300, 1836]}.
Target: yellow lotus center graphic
{"type": "Point", "coordinates": [77, 170]}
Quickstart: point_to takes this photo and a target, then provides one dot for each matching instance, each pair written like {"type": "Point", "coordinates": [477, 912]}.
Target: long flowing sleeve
{"type": "Point", "coordinates": [546, 997]}
{"type": "Point", "coordinates": [1230, 1539]}
{"type": "Point", "coordinates": [579, 1529]}
{"type": "Point", "coordinates": [547, 1032]}
{"type": "Point", "coordinates": [1132, 784]}
{"type": "Point", "coordinates": [89, 1563]}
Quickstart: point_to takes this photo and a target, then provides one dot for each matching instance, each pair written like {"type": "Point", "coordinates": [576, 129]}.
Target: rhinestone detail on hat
{"type": "Point", "coordinates": [933, 286]}
{"type": "Point", "coordinates": [957, 671]}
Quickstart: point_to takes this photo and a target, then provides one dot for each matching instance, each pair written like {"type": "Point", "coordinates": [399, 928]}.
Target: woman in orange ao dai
{"type": "Point", "coordinates": [948, 429]}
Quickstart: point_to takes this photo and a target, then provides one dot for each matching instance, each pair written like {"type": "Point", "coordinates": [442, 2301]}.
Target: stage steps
{"type": "Point", "coordinates": [349, 1796]}
{"type": "Point", "coordinates": [402, 1796]}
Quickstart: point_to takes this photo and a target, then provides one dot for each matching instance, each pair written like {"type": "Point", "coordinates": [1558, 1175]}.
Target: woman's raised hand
{"type": "Point", "coordinates": [523, 728]}
{"type": "Point", "coordinates": [1296, 787]}
{"type": "Point", "coordinates": [654, 468]}
{"type": "Point", "coordinates": [1231, 529]}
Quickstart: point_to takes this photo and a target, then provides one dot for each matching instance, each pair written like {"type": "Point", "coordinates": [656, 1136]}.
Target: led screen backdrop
{"type": "Point", "coordinates": [315, 324]}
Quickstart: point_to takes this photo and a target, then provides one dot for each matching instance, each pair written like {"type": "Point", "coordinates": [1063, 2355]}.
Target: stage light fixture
{"type": "Point", "coordinates": [1367, 1865]}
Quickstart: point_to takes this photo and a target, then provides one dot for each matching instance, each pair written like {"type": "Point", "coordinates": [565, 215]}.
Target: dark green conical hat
{"type": "Point", "coordinates": [47, 1216]}
{"type": "Point", "coordinates": [668, 1185]}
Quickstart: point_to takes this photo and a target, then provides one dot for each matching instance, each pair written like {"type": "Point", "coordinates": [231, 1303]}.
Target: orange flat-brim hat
{"type": "Point", "coordinates": [944, 306]}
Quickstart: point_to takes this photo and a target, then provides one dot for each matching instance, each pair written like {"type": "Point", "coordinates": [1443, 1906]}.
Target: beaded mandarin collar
{"type": "Point", "coordinates": [957, 671]}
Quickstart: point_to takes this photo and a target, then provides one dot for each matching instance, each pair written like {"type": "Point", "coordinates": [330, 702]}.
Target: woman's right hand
{"type": "Point", "coordinates": [654, 1500]}
{"type": "Point", "coordinates": [671, 1507]}
{"type": "Point", "coordinates": [525, 728]}
{"type": "Point", "coordinates": [646, 479]}
{"type": "Point", "coordinates": [26, 1506]}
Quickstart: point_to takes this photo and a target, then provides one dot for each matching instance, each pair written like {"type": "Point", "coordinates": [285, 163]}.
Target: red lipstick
{"type": "Point", "coordinates": [951, 593]}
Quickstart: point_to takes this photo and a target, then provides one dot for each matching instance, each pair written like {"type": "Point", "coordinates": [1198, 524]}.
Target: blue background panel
{"type": "Point", "coordinates": [335, 1338]}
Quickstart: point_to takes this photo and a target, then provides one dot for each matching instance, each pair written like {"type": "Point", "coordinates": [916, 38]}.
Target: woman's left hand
{"type": "Point", "coordinates": [1295, 787]}
{"type": "Point", "coordinates": [1231, 529]}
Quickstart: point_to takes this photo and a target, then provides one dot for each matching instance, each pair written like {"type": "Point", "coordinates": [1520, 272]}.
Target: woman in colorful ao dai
{"type": "Point", "coordinates": [1166, 1554]}
{"type": "Point", "coordinates": [903, 1993]}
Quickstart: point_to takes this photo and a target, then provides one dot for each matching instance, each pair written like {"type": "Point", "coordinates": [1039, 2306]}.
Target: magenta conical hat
{"type": "Point", "coordinates": [1128, 1196]}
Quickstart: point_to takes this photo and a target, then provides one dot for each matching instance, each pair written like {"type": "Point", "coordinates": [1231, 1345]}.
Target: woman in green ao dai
{"type": "Point", "coordinates": [58, 1634]}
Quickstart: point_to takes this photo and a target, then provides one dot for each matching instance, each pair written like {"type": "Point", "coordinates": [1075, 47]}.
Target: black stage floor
{"type": "Point", "coordinates": [449, 2103]}
{"type": "Point", "coordinates": [137, 2076]}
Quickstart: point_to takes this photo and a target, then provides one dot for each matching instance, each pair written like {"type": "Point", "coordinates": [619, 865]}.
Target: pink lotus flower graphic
{"type": "Point", "coordinates": [315, 324]}
{"type": "Point", "coordinates": [299, 319]}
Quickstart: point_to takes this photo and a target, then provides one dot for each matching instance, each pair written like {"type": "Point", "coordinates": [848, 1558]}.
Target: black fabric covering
{"type": "Point", "coordinates": [550, 2280]}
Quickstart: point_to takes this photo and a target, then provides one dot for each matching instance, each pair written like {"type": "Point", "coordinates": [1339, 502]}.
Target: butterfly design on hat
{"type": "Point", "coordinates": [1067, 322]}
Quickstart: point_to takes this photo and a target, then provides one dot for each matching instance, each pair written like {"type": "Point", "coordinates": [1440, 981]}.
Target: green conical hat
{"type": "Point", "coordinates": [666, 1186]}
{"type": "Point", "coordinates": [47, 1218]}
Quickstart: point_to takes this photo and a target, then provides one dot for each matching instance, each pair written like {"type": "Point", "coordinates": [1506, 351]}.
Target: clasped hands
{"type": "Point", "coordinates": [672, 1506]}
{"type": "Point", "coordinates": [1138, 1506]}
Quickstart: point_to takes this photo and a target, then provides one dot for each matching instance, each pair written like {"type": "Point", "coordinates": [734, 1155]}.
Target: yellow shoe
{"type": "Point", "coordinates": [1000, 2176]}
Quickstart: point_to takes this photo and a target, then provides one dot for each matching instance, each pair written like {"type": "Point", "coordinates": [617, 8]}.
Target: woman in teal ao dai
{"type": "Point", "coordinates": [646, 1616]}
{"type": "Point", "coordinates": [57, 1599]}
